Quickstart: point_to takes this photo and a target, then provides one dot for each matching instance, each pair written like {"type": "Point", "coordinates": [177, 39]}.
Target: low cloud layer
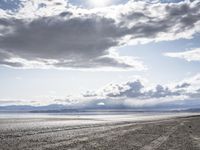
{"type": "Point", "coordinates": [137, 94]}
{"type": "Point", "coordinates": [134, 94]}
{"type": "Point", "coordinates": [191, 55]}
{"type": "Point", "coordinates": [57, 34]}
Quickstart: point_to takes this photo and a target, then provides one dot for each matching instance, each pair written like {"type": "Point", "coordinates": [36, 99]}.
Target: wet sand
{"type": "Point", "coordinates": [182, 133]}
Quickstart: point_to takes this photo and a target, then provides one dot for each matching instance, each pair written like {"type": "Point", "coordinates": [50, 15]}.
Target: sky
{"type": "Point", "coordinates": [108, 53]}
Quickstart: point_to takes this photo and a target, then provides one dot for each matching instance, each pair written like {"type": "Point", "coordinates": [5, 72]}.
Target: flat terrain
{"type": "Point", "coordinates": [181, 133]}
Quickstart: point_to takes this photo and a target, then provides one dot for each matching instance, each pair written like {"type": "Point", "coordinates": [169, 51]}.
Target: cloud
{"type": "Point", "coordinates": [44, 34]}
{"type": "Point", "coordinates": [191, 55]}
{"type": "Point", "coordinates": [183, 85]}
{"type": "Point", "coordinates": [78, 42]}
{"type": "Point", "coordinates": [138, 94]}
{"type": "Point", "coordinates": [135, 89]}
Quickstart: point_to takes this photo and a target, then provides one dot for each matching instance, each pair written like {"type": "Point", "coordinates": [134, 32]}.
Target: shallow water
{"type": "Point", "coordinates": [101, 116]}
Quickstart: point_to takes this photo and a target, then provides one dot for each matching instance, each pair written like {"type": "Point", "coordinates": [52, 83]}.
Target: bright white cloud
{"type": "Point", "coordinates": [191, 55]}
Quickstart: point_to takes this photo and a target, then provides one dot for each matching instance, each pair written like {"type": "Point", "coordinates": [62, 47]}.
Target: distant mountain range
{"type": "Point", "coordinates": [58, 108]}
{"type": "Point", "coordinates": [31, 108]}
{"type": "Point", "coordinates": [193, 110]}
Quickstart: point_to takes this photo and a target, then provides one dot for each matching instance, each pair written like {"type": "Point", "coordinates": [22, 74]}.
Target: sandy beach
{"type": "Point", "coordinates": [180, 133]}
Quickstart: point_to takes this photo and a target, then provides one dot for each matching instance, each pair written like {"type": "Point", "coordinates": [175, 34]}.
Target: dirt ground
{"type": "Point", "coordinates": [171, 134]}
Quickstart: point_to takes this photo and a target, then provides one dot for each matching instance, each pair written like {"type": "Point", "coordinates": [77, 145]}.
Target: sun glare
{"type": "Point", "coordinates": [99, 3]}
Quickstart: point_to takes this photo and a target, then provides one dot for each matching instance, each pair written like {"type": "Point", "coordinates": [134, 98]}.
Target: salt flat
{"type": "Point", "coordinates": [82, 132]}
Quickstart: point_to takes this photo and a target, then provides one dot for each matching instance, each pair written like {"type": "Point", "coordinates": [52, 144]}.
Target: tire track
{"type": "Point", "coordinates": [159, 141]}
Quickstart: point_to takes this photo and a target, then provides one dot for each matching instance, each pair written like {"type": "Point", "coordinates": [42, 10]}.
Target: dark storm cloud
{"type": "Point", "coordinates": [84, 40]}
{"type": "Point", "coordinates": [4, 57]}
{"type": "Point", "coordinates": [54, 38]}
{"type": "Point", "coordinates": [76, 42]}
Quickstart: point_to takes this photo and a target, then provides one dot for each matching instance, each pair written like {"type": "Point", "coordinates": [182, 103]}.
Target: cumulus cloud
{"type": "Point", "coordinates": [57, 34]}
{"type": "Point", "coordinates": [191, 55]}
{"type": "Point", "coordinates": [135, 89]}
{"type": "Point", "coordinates": [138, 94]}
